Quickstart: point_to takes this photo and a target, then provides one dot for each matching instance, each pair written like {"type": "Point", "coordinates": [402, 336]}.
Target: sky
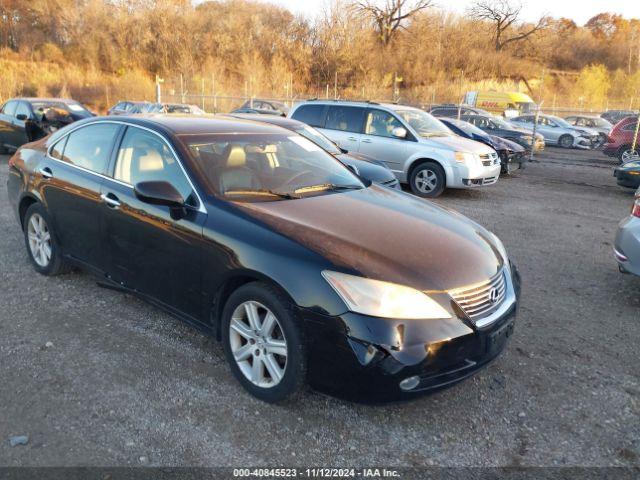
{"type": "Point", "coordinates": [578, 10]}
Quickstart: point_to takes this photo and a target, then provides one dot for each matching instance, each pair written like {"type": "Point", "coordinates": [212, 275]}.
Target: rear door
{"type": "Point", "coordinates": [343, 125]}
{"type": "Point", "coordinates": [148, 248]}
{"type": "Point", "coordinates": [72, 175]}
{"type": "Point", "coordinates": [378, 142]}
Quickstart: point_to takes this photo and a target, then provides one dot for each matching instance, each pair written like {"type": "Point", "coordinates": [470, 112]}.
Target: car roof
{"type": "Point", "coordinates": [44, 99]}
{"type": "Point", "coordinates": [285, 122]}
{"type": "Point", "coordinates": [360, 103]}
{"type": "Point", "coordinates": [181, 124]}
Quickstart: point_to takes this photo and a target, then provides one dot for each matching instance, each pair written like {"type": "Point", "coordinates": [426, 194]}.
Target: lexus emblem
{"type": "Point", "coordinates": [494, 295]}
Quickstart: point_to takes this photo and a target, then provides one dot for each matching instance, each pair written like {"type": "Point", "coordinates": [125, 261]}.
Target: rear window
{"type": "Point", "coordinates": [310, 114]}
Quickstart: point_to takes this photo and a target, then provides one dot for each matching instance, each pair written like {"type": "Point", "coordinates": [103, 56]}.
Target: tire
{"type": "Point", "coordinates": [270, 384]}
{"type": "Point", "coordinates": [40, 239]}
{"type": "Point", "coordinates": [626, 154]}
{"type": "Point", "coordinates": [427, 180]}
{"type": "Point", "coordinates": [565, 141]}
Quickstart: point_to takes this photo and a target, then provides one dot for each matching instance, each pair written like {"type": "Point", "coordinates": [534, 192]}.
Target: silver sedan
{"type": "Point", "coordinates": [627, 243]}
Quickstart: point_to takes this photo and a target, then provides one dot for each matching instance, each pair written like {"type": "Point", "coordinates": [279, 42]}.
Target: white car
{"type": "Point", "coordinates": [419, 149]}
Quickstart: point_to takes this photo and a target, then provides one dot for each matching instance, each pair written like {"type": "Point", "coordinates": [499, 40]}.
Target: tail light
{"type": "Point", "coordinates": [635, 209]}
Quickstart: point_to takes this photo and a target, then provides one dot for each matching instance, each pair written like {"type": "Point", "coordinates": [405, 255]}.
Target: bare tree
{"type": "Point", "coordinates": [389, 17]}
{"type": "Point", "coordinates": [504, 15]}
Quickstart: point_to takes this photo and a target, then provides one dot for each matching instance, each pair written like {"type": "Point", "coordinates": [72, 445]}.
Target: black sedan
{"type": "Point", "coordinates": [503, 129]}
{"type": "Point", "coordinates": [363, 165]}
{"type": "Point", "coordinates": [628, 174]}
{"type": "Point", "coordinates": [24, 120]}
{"type": "Point", "coordinates": [269, 244]}
{"type": "Point", "coordinates": [512, 156]}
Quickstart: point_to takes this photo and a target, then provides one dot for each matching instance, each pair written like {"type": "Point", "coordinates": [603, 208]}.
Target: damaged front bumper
{"type": "Point", "coordinates": [373, 360]}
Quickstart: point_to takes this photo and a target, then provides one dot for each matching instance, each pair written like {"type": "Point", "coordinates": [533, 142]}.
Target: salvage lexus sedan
{"type": "Point", "coordinates": [268, 243]}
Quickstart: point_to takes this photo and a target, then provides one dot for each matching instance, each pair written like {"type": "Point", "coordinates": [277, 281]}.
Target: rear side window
{"type": "Point", "coordinates": [10, 108]}
{"type": "Point", "coordinates": [310, 114]}
{"type": "Point", "coordinates": [58, 149]}
{"type": "Point", "coordinates": [381, 123]}
{"type": "Point", "coordinates": [346, 119]}
{"type": "Point", "coordinates": [89, 147]}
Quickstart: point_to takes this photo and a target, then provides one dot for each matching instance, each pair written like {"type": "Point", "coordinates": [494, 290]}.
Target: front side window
{"type": "Point", "coordinates": [23, 109]}
{"type": "Point", "coordinates": [144, 157]}
{"type": "Point", "coordinates": [58, 149]}
{"type": "Point", "coordinates": [310, 114]}
{"type": "Point", "coordinates": [90, 147]}
{"type": "Point", "coordinates": [346, 119]}
{"type": "Point", "coordinates": [267, 167]}
{"type": "Point", "coordinates": [381, 123]}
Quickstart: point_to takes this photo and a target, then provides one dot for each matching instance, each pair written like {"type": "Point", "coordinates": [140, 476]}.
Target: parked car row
{"type": "Point", "coordinates": [130, 108]}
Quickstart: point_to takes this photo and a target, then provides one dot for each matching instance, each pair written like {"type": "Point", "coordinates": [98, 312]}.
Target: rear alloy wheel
{"type": "Point", "coordinates": [44, 252]}
{"type": "Point", "coordinates": [566, 141]}
{"type": "Point", "coordinates": [262, 342]}
{"type": "Point", "coordinates": [627, 154]}
{"type": "Point", "coordinates": [427, 180]}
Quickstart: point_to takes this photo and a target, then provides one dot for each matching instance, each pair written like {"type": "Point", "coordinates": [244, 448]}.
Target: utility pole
{"type": "Point", "coordinates": [535, 126]}
{"type": "Point", "coordinates": [158, 89]}
{"type": "Point", "coordinates": [335, 85]}
{"type": "Point", "coordinates": [460, 92]}
{"type": "Point", "coordinates": [181, 89]}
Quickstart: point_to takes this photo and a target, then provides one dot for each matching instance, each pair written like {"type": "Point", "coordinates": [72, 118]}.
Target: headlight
{"type": "Point", "coordinates": [383, 299]}
{"type": "Point", "coordinates": [500, 247]}
{"type": "Point", "coordinates": [527, 138]}
{"type": "Point", "coordinates": [465, 157]}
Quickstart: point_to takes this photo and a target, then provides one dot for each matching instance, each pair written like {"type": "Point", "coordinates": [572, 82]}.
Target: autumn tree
{"type": "Point", "coordinates": [390, 15]}
{"type": "Point", "coordinates": [505, 18]}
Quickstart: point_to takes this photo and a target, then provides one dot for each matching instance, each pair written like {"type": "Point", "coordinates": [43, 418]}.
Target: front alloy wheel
{"type": "Point", "coordinates": [258, 344]}
{"type": "Point", "coordinates": [263, 341]}
{"type": "Point", "coordinates": [427, 180]}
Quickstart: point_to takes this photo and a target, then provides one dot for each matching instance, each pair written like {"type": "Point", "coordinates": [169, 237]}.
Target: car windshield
{"type": "Point", "coordinates": [561, 122]}
{"type": "Point", "coordinates": [267, 167]}
{"type": "Point", "coordinates": [425, 124]}
{"type": "Point", "coordinates": [316, 137]}
{"type": "Point", "coordinates": [469, 129]}
{"type": "Point", "coordinates": [41, 107]}
{"type": "Point", "coordinates": [602, 123]}
{"type": "Point", "coordinates": [502, 123]}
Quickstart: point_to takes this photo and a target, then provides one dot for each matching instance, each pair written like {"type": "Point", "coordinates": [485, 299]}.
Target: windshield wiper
{"type": "Point", "coordinates": [272, 193]}
{"type": "Point", "coordinates": [326, 186]}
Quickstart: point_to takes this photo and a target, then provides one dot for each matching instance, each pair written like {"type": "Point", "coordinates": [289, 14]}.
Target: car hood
{"type": "Point", "coordinates": [457, 143]}
{"type": "Point", "coordinates": [387, 235]}
{"type": "Point", "coordinates": [367, 167]}
{"type": "Point", "coordinates": [503, 143]}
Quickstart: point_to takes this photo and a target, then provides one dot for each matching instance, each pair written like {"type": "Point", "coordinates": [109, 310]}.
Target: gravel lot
{"type": "Point", "coordinates": [125, 384]}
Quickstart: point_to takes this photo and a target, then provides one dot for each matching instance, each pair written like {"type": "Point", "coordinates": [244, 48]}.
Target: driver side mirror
{"type": "Point", "coordinates": [160, 193]}
{"type": "Point", "coordinates": [399, 132]}
{"type": "Point", "coordinates": [21, 116]}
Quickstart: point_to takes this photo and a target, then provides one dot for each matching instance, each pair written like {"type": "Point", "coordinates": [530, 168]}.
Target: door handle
{"type": "Point", "coordinates": [111, 200]}
{"type": "Point", "coordinates": [46, 173]}
{"type": "Point", "coordinates": [352, 139]}
{"type": "Point", "coordinates": [366, 140]}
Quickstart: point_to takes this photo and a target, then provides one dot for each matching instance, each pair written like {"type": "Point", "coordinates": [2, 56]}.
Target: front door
{"type": "Point", "coordinates": [148, 247]}
{"type": "Point", "coordinates": [378, 141]}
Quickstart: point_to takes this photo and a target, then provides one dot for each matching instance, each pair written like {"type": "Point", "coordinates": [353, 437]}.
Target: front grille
{"type": "Point", "coordinates": [489, 159]}
{"type": "Point", "coordinates": [481, 299]}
